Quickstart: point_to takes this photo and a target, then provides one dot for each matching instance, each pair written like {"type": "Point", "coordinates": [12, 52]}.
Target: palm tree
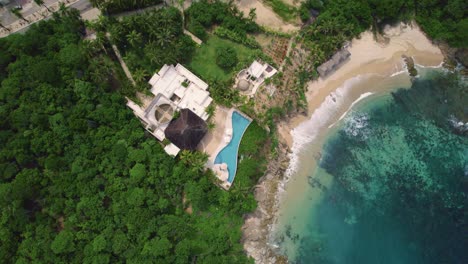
{"type": "Point", "coordinates": [134, 38]}
{"type": "Point", "coordinates": [2, 26]}
{"type": "Point", "coordinates": [152, 53]}
{"type": "Point", "coordinates": [164, 37]}
{"type": "Point", "coordinates": [210, 110]}
{"type": "Point", "coordinates": [164, 18]}
{"type": "Point", "coordinates": [139, 75]}
{"type": "Point", "coordinates": [211, 126]}
{"type": "Point", "coordinates": [89, 48]}
{"type": "Point", "coordinates": [96, 3]}
{"type": "Point", "coordinates": [63, 9]}
{"type": "Point", "coordinates": [100, 40]}
{"type": "Point", "coordinates": [252, 14]}
{"type": "Point", "coordinates": [99, 24]}
{"type": "Point", "coordinates": [41, 3]}
{"type": "Point", "coordinates": [195, 159]}
{"type": "Point", "coordinates": [17, 13]}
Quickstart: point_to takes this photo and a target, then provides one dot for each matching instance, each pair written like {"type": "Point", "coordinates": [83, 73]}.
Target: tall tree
{"type": "Point", "coordinates": [17, 13]}
{"type": "Point", "coordinates": [139, 75]}
{"type": "Point", "coordinates": [41, 3]}
{"type": "Point", "coordinates": [134, 38]}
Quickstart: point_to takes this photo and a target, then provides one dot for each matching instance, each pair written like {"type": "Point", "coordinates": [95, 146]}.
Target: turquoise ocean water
{"type": "Point", "coordinates": [393, 181]}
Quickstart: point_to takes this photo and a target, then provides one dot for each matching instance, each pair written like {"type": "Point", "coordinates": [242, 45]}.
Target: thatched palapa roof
{"type": "Point", "coordinates": [186, 131]}
{"type": "Point", "coordinates": [332, 64]}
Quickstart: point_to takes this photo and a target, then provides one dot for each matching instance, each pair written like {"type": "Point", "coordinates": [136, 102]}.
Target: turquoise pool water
{"type": "Point", "coordinates": [228, 154]}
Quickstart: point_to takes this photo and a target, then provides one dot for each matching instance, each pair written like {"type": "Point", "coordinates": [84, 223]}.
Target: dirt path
{"type": "Point", "coordinates": [122, 62]}
{"type": "Point", "coordinates": [265, 16]}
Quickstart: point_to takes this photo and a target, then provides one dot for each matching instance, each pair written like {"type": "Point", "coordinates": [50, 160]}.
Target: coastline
{"type": "Point", "coordinates": [328, 101]}
{"type": "Point", "coordinates": [371, 57]}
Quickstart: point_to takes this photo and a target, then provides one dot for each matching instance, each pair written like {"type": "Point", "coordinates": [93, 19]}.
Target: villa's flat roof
{"type": "Point", "coordinates": [170, 81]}
{"type": "Point", "coordinates": [192, 77]}
{"type": "Point", "coordinates": [256, 69]}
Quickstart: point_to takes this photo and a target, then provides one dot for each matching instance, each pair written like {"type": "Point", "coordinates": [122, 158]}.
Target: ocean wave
{"type": "Point", "coordinates": [307, 131]}
{"type": "Point", "coordinates": [458, 124]}
{"type": "Point", "coordinates": [430, 67]}
{"type": "Point", "coordinates": [356, 125]}
{"type": "Point", "coordinates": [401, 69]}
{"type": "Point", "coordinates": [398, 73]}
{"type": "Point", "coordinates": [362, 96]}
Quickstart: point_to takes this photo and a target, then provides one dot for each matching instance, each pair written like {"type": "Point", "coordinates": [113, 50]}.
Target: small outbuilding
{"type": "Point", "coordinates": [243, 85]}
{"type": "Point", "coordinates": [334, 63]}
{"type": "Point", "coordinates": [249, 80]}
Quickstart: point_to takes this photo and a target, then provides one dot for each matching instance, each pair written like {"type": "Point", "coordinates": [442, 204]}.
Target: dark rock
{"type": "Point", "coordinates": [410, 65]}
{"type": "Point", "coordinates": [461, 55]}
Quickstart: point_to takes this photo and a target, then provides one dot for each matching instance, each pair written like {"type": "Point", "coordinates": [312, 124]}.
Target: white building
{"type": "Point", "coordinates": [183, 88]}
{"type": "Point", "coordinates": [174, 88]}
{"type": "Point", "coordinates": [261, 71]}
{"type": "Point", "coordinates": [249, 80]}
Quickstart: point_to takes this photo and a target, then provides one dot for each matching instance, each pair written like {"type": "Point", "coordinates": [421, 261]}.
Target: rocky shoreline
{"type": "Point", "coordinates": [258, 224]}
{"type": "Point", "coordinates": [453, 56]}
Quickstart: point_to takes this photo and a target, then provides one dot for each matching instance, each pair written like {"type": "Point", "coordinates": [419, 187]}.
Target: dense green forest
{"type": "Point", "coordinates": [341, 20]}
{"type": "Point", "coordinates": [80, 180]}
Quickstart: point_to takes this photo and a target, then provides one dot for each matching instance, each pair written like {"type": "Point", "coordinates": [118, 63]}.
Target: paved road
{"type": "Point", "coordinates": [82, 5]}
{"type": "Point", "coordinates": [29, 7]}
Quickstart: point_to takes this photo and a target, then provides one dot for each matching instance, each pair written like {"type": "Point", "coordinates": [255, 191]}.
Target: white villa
{"type": "Point", "coordinates": [249, 80]}
{"type": "Point", "coordinates": [174, 88]}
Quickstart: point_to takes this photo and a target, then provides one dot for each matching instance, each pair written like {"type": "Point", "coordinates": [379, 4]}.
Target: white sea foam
{"type": "Point", "coordinates": [307, 131]}
{"type": "Point", "coordinates": [398, 73]}
{"type": "Point", "coordinates": [356, 126]}
{"type": "Point", "coordinates": [364, 95]}
{"type": "Point", "coordinates": [458, 124]}
{"type": "Point", "coordinates": [397, 69]}
{"type": "Point", "coordinates": [430, 67]}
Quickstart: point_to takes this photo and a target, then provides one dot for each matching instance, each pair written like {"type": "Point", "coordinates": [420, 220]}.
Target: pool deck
{"type": "Point", "coordinates": [215, 137]}
{"type": "Point", "coordinates": [214, 141]}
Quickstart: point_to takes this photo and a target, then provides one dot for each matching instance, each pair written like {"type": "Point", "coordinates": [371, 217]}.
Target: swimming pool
{"type": "Point", "coordinates": [228, 154]}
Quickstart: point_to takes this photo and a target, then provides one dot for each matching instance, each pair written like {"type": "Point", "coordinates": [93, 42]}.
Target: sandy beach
{"type": "Point", "coordinates": [369, 57]}
{"type": "Point", "coordinates": [373, 68]}
{"type": "Point", "coordinates": [367, 72]}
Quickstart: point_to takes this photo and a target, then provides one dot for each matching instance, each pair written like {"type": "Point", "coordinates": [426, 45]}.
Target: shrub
{"type": "Point", "coordinates": [236, 37]}
{"type": "Point", "coordinates": [198, 30]}
{"type": "Point", "coordinates": [226, 58]}
{"type": "Point", "coordinates": [304, 13]}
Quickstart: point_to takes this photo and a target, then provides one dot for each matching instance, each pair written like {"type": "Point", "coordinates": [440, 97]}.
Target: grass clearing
{"type": "Point", "coordinates": [203, 62]}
